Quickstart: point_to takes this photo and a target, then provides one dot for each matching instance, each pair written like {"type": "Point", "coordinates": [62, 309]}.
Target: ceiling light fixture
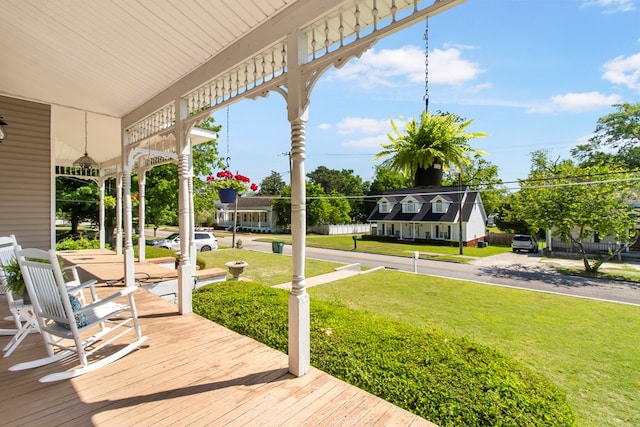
{"type": "Point", "coordinates": [85, 161]}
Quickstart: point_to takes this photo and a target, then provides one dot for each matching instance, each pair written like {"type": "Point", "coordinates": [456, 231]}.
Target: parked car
{"type": "Point", "coordinates": [205, 241]}
{"type": "Point", "coordinates": [524, 242]}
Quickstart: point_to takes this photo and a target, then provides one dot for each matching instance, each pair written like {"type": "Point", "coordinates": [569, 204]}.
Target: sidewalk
{"type": "Point", "coordinates": [339, 273]}
{"type": "Point", "coordinates": [526, 259]}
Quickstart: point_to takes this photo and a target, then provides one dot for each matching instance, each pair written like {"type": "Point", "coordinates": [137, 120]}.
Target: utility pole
{"type": "Point", "coordinates": [288, 153]}
{"type": "Point", "coordinates": [460, 212]}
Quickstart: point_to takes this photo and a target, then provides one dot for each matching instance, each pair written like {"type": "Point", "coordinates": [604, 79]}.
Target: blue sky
{"type": "Point", "coordinates": [533, 74]}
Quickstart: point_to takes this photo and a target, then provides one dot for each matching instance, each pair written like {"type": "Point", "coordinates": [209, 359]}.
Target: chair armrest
{"type": "Point", "coordinates": [122, 293]}
{"type": "Point", "coordinates": [74, 287]}
{"type": "Point", "coordinates": [74, 272]}
{"type": "Point", "coordinates": [74, 284]}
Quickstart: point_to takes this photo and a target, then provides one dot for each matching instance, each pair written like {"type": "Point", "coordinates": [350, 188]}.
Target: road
{"type": "Point", "coordinates": [521, 271]}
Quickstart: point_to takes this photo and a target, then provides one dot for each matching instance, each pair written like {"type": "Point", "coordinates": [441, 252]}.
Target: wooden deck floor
{"type": "Point", "coordinates": [190, 371]}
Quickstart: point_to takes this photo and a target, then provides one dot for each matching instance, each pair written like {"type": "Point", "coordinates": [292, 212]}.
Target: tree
{"type": "Point", "coordinates": [512, 220]}
{"type": "Point", "coordinates": [161, 195]}
{"type": "Point", "coordinates": [338, 210]}
{"type": "Point", "coordinates": [439, 138]}
{"type": "Point", "coordinates": [387, 178]}
{"type": "Point", "coordinates": [616, 139]}
{"type": "Point", "coordinates": [579, 202]}
{"type": "Point", "coordinates": [162, 185]}
{"type": "Point", "coordinates": [320, 208]}
{"type": "Point", "coordinates": [272, 185]}
{"type": "Point", "coordinates": [342, 183]}
{"type": "Point", "coordinates": [481, 175]}
{"type": "Point", "coordinates": [205, 161]}
{"type": "Point", "coordinates": [77, 200]}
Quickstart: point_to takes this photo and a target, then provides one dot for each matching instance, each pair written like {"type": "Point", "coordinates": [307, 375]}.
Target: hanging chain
{"type": "Point", "coordinates": [426, 65]}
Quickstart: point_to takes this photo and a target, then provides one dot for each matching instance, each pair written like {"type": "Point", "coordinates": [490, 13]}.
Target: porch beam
{"type": "Point", "coordinates": [270, 32]}
{"type": "Point", "coordinates": [237, 62]}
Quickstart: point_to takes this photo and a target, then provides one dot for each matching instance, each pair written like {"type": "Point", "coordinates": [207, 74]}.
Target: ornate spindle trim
{"type": "Point", "coordinates": [283, 64]}
{"type": "Point", "coordinates": [313, 43]}
{"type": "Point", "coordinates": [327, 41]}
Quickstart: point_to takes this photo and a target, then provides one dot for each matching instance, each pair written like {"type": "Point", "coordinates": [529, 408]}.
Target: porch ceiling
{"type": "Point", "coordinates": [124, 60]}
{"type": "Point", "coordinates": [110, 56]}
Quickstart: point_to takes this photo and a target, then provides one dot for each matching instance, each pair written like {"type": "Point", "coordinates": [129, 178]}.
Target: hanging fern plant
{"type": "Point", "coordinates": [438, 139]}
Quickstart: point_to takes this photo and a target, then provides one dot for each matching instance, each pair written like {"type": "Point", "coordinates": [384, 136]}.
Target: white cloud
{"type": "Point", "coordinates": [367, 142]}
{"type": "Point", "coordinates": [624, 71]}
{"type": "Point", "coordinates": [366, 132]}
{"type": "Point", "coordinates": [448, 67]}
{"type": "Point", "coordinates": [394, 67]}
{"type": "Point", "coordinates": [324, 126]}
{"type": "Point", "coordinates": [351, 125]}
{"type": "Point", "coordinates": [576, 102]}
{"type": "Point", "coordinates": [612, 6]}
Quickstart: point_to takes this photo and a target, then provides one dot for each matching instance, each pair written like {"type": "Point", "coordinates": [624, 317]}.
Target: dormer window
{"type": "Point", "coordinates": [439, 206]}
{"type": "Point", "coordinates": [385, 207]}
{"type": "Point", "coordinates": [410, 207]}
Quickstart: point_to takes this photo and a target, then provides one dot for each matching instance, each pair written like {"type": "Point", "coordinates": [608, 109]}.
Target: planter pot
{"type": "Point", "coordinates": [236, 268]}
{"type": "Point", "coordinates": [228, 195]}
{"type": "Point", "coordinates": [25, 298]}
{"type": "Point", "coordinates": [429, 177]}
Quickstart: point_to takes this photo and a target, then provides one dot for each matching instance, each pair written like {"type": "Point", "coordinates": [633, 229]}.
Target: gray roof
{"type": "Point", "coordinates": [250, 202]}
{"type": "Point", "coordinates": [425, 196]}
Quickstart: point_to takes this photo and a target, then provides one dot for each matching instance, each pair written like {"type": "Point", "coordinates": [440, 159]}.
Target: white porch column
{"type": "Point", "coordinates": [185, 277]}
{"type": "Point", "coordinates": [129, 269]}
{"type": "Point", "coordinates": [101, 213]}
{"type": "Point", "coordinates": [142, 182]}
{"type": "Point", "coordinates": [119, 213]}
{"type": "Point", "coordinates": [299, 311]}
{"type": "Point", "coordinates": [192, 219]}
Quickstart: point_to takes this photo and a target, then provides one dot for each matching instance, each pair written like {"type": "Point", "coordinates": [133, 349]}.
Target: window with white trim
{"type": "Point", "coordinates": [385, 207]}
{"type": "Point", "coordinates": [410, 207]}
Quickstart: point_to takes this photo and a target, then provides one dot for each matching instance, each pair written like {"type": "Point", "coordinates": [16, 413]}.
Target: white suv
{"type": "Point", "coordinates": [205, 241]}
{"type": "Point", "coordinates": [524, 242]}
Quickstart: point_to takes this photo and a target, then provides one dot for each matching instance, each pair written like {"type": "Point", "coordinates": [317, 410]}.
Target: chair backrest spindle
{"type": "Point", "coordinates": [42, 268]}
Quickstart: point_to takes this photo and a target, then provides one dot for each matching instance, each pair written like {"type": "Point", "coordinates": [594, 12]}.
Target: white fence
{"type": "Point", "coordinates": [331, 229]}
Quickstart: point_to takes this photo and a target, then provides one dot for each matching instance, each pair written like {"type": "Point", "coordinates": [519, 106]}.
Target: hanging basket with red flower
{"type": "Point", "coordinates": [226, 180]}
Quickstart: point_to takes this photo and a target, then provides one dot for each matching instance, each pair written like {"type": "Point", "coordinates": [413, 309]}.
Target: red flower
{"type": "Point", "coordinates": [226, 179]}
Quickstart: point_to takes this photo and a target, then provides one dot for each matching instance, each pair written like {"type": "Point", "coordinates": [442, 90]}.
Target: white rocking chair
{"type": "Point", "coordinates": [103, 319]}
{"type": "Point", "coordinates": [21, 312]}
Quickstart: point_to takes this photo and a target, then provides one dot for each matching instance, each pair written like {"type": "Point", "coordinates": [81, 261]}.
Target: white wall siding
{"type": "Point", "coordinates": [476, 227]}
{"type": "Point", "coordinates": [25, 173]}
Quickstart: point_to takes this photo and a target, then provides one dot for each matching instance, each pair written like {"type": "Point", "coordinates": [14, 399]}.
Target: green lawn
{"type": "Point", "coordinates": [588, 348]}
{"type": "Point", "coordinates": [342, 242]}
{"type": "Point", "coordinates": [268, 269]}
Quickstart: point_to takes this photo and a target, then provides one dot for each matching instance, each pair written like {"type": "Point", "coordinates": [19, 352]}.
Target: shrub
{"type": "Point", "coordinates": [446, 379]}
{"type": "Point", "coordinates": [201, 262]}
{"type": "Point", "coordinates": [71, 244]}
